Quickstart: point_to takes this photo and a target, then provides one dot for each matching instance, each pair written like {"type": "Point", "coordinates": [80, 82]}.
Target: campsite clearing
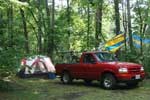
{"type": "Point", "coordinates": [44, 89]}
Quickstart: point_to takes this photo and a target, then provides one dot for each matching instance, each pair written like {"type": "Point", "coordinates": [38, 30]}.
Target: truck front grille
{"type": "Point", "coordinates": [134, 70]}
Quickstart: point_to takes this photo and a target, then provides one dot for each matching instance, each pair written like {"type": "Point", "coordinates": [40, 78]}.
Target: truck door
{"type": "Point", "coordinates": [91, 68]}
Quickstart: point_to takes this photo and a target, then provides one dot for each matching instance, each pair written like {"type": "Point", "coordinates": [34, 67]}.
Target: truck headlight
{"type": "Point", "coordinates": [142, 68]}
{"type": "Point", "coordinates": [123, 70]}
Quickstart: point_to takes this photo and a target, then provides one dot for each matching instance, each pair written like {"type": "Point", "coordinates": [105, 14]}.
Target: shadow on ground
{"type": "Point", "coordinates": [95, 84]}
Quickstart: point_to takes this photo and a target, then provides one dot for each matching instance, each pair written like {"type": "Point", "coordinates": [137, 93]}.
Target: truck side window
{"type": "Point", "coordinates": [88, 58]}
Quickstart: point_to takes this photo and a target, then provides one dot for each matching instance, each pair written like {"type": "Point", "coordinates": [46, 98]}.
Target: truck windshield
{"type": "Point", "coordinates": [104, 56]}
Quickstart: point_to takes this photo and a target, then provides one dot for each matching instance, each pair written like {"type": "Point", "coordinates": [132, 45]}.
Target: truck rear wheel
{"type": "Point", "coordinates": [108, 81]}
{"type": "Point", "coordinates": [66, 78]}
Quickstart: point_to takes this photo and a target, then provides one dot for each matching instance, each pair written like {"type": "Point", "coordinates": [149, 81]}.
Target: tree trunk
{"type": "Point", "coordinates": [117, 16]}
{"type": "Point", "coordinates": [124, 23]}
{"type": "Point", "coordinates": [48, 38]}
{"type": "Point", "coordinates": [50, 29]}
{"type": "Point", "coordinates": [88, 25]}
{"type": "Point", "coordinates": [10, 25]}
{"type": "Point", "coordinates": [2, 26]}
{"type": "Point", "coordinates": [68, 20]}
{"type": "Point", "coordinates": [25, 30]}
{"type": "Point", "coordinates": [141, 26]}
{"type": "Point", "coordinates": [39, 27]}
{"type": "Point", "coordinates": [53, 26]}
{"type": "Point", "coordinates": [117, 21]}
{"type": "Point", "coordinates": [98, 23]}
{"type": "Point", "coordinates": [129, 26]}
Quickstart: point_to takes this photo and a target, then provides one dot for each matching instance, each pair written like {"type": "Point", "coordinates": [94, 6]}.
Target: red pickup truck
{"type": "Point", "coordinates": [101, 66]}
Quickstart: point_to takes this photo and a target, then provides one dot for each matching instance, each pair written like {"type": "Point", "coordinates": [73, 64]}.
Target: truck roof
{"type": "Point", "coordinates": [95, 52]}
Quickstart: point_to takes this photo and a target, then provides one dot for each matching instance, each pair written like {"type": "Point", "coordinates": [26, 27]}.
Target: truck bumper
{"type": "Point", "coordinates": [127, 77]}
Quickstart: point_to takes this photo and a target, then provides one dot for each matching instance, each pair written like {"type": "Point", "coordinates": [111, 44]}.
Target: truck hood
{"type": "Point", "coordinates": [123, 64]}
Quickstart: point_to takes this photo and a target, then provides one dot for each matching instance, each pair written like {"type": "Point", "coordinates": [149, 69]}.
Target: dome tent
{"type": "Point", "coordinates": [36, 65]}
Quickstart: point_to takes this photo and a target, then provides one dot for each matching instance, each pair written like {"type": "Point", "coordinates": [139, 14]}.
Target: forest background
{"type": "Point", "coordinates": [50, 27]}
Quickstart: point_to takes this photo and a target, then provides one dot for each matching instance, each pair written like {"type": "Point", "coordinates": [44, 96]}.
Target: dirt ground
{"type": "Point", "coordinates": [46, 89]}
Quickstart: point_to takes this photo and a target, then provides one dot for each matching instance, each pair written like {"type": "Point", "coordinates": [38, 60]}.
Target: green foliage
{"type": "Point", "coordinates": [10, 55]}
{"type": "Point", "coordinates": [10, 59]}
{"type": "Point", "coordinates": [137, 57]}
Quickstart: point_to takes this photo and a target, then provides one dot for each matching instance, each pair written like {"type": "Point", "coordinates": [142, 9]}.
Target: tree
{"type": "Point", "coordinates": [47, 35]}
{"type": "Point", "coordinates": [53, 25]}
{"type": "Point", "coordinates": [39, 27]}
{"type": "Point", "coordinates": [25, 28]}
{"type": "Point", "coordinates": [117, 16]}
{"type": "Point", "coordinates": [129, 26]}
{"type": "Point", "coordinates": [88, 23]}
{"type": "Point", "coordinates": [124, 22]}
{"type": "Point", "coordinates": [73, 25]}
{"type": "Point", "coordinates": [68, 21]}
{"type": "Point", "coordinates": [98, 22]}
{"type": "Point", "coordinates": [50, 28]}
{"type": "Point", "coordinates": [141, 18]}
{"type": "Point", "coordinates": [10, 24]}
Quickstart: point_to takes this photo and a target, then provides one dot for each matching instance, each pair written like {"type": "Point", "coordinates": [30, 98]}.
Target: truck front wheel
{"type": "Point", "coordinates": [108, 81]}
{"type": "Point", "coordinates": [66, 78]}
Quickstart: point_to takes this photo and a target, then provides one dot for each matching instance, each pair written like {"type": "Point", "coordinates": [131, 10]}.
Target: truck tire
{"type": "Point", "coordinates": [108, 81]}
{"type": "Point", "coordinates": [66, 78]}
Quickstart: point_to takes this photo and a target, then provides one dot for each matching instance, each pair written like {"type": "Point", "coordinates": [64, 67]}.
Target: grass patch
{"type": "Point", "coordinates": [44, 89]}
